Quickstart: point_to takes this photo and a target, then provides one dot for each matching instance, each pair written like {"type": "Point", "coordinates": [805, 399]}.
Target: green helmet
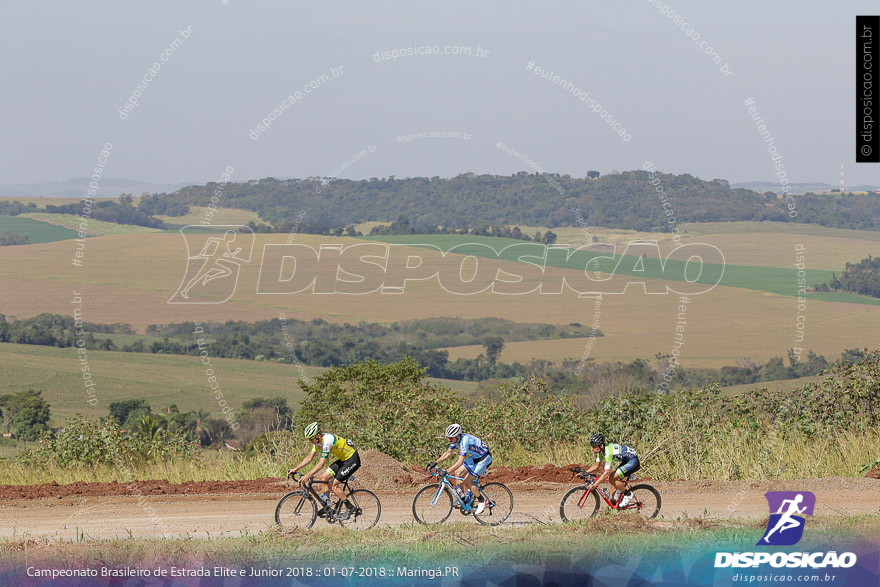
{"type": "Point", "coordinates": [312, 430]}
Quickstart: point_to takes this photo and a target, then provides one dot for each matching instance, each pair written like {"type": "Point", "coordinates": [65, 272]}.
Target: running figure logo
{"type": "Point", "coordinates": [786, 526]}
{"type": "Point", "coordinates": [212, 274]}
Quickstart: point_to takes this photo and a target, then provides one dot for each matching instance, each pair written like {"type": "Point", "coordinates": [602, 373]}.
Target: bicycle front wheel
{"type": "Point", "coordinates": [646, 501]}
{"type": "Point", "coordinates": [296, 511]}
{"type": "Point", "coordinates": [432, 504]}
{"type": "Point", "coordinates": [367, 510]}
{"type": "Point", "coordinates": [499, 504]}
{"type": "Point", "coordinates": [570, 509]}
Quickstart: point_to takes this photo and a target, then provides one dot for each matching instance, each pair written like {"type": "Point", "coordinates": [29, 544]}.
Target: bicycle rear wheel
{"type": "Point", "coordinates": [645, 502]}
{"type": "Point", "coordinates": [570, 509]}
{"type": "Point", "coordinates": [367, 510]}
{"type": "Point", "coordinates": [296, 511]}
{"type": "Point", "coordinates": [429, 508]}
{"type": "Point", "coordinates": [499, 506]}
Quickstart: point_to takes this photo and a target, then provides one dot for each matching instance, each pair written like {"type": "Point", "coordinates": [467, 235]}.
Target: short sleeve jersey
{"type": "Point", "coordinates": [471, 446]}
{"type": "Point", "coordinates": [617, 452]}
{"type": "Point", "coordinates": [341, 448]}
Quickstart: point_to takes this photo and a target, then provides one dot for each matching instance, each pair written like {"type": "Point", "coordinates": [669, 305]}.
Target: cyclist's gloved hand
{"type": "Point", "coordinates": [431, 465]}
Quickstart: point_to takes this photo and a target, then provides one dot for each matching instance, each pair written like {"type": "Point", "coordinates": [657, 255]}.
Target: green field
{"type": "Point", "coordinates": [38, 232]}
{"type": "Point", "coordinates": [163, 379]}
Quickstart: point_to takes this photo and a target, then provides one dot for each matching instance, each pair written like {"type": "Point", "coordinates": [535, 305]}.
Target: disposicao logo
{"type": "Point", "coordinates": [785, 528]}
{"type": "Point", "coordinates": [212, 272]}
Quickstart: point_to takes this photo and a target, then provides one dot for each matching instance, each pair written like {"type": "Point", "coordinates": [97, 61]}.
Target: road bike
{"type": "Point", "coordinates": [433, 503]}
{"type": "Point", "coordinates": [300, 508]}
{"type": "Point", "coordinates": [578, 504]}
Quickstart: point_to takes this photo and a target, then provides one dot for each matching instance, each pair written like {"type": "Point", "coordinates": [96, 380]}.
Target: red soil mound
{"type": "Point", "coordinates": [549, 473]}
{"type": "Point", "coordinates": [874, 473]}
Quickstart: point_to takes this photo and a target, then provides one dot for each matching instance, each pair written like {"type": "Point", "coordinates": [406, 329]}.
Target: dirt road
{"type": "Point", "coordinates": [231, 513]}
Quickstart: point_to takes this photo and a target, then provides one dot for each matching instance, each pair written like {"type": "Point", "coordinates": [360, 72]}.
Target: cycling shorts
{"type": "Point", "coordinates": [478, 467]}
{"type": "Point", "coordinates": [628, 467]}
{"type": "Point", "coordinates": [342, 470]}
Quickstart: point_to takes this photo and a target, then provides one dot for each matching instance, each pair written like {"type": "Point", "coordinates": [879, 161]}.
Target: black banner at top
{"type": "Point", "coordinates": [867, 70]}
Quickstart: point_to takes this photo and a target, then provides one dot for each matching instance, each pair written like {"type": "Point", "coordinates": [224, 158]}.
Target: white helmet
{"type": "Point", "coordinates": [453, 430]}
{"type": "Point", "coordinates": [312, 430]}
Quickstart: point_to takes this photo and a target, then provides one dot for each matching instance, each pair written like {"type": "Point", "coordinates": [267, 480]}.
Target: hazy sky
{"type": "Point", "coordinates": [69, 67]}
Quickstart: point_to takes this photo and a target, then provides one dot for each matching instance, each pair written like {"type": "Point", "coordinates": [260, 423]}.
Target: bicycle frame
{"type": "Point", "coordinates": [635, 503]}
{"type": "Point", "coordinates": [445, 482]}
{"type": "Point", "coordinates": [311, 490]}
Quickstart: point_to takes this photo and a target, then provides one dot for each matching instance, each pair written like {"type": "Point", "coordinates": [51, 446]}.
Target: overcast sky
{"type": "Point", "coordinates": [69, 67]}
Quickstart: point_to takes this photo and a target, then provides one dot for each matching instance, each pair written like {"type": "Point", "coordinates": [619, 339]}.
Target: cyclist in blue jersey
{"type": "Point", "coordinates": [607, 454]}
{"type": "Point", "coordinates": [473, 460]}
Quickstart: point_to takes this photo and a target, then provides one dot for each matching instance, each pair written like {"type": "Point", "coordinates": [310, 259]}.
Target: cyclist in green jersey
{"type": "Point", "coordinates": [607, 454]}
{"type": "Point", "coordinates": [348, 462]}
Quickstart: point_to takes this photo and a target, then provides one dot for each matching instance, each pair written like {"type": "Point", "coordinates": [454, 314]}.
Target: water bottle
{"type": "Point", "coordinates": [468, 496]}
{"type": "Point", "coordinates": [605, 491]}
{"type": "Point", "coordinates": [460, 492]}
{"type": "Point", "coordinates": [325, 499]}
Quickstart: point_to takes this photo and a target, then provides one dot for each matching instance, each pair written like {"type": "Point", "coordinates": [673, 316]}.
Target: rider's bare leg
{"type": "Point", "coordinates": [467, 479]}
{"type": "Point", "coordinates": [326, 489]}
{"type": "Point", "coordinates": [469, 483]}
{"type": "Point", "coordinates": [336, 488]}
{"type": "Point", "coordinates": [616, 482]}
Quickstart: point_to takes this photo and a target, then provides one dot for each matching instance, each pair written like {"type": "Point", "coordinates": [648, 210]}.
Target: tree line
{"type": "Point", "coordinates": [622, 200]}
{"type": "Point", "coordinates": [319, 343]}
{"type": "Point", "coordinates": [625, 200]}
{"type": "Point", "coordinates": [121, 211]}
{"type": "Point", "coordinates": [862, 278]}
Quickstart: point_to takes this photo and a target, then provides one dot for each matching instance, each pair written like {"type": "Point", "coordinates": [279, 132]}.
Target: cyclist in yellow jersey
{"type": "Point", "coordinates": [344, 450]}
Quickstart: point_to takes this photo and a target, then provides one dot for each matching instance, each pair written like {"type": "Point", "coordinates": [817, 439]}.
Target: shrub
{"type": "Point", "coordinates": [527, 414]}
{"type": "Point", "coordinates": [86, 443]}
{"type": "Point", "coordinates": [390, 407]}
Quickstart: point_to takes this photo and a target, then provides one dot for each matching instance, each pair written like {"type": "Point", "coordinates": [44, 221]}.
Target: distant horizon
{"type": "Point", "coordinates": [174, 186]}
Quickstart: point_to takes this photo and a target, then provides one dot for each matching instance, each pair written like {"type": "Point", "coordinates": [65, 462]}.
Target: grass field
{"type": "Point", "coordinates": [93, 227]}
{"type": "Point", "coordinates": [163, 379]}
{"type": "Point", "coordinates": [784, 385]}
{"type": "Point", "coordinates": [221, 216]}
{"type": "Point", "coordinates": [39, 232]}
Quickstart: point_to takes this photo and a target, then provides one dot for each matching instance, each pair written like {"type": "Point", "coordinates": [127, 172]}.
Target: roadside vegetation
{"type": "Point", "coordinates": [693, 435]}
